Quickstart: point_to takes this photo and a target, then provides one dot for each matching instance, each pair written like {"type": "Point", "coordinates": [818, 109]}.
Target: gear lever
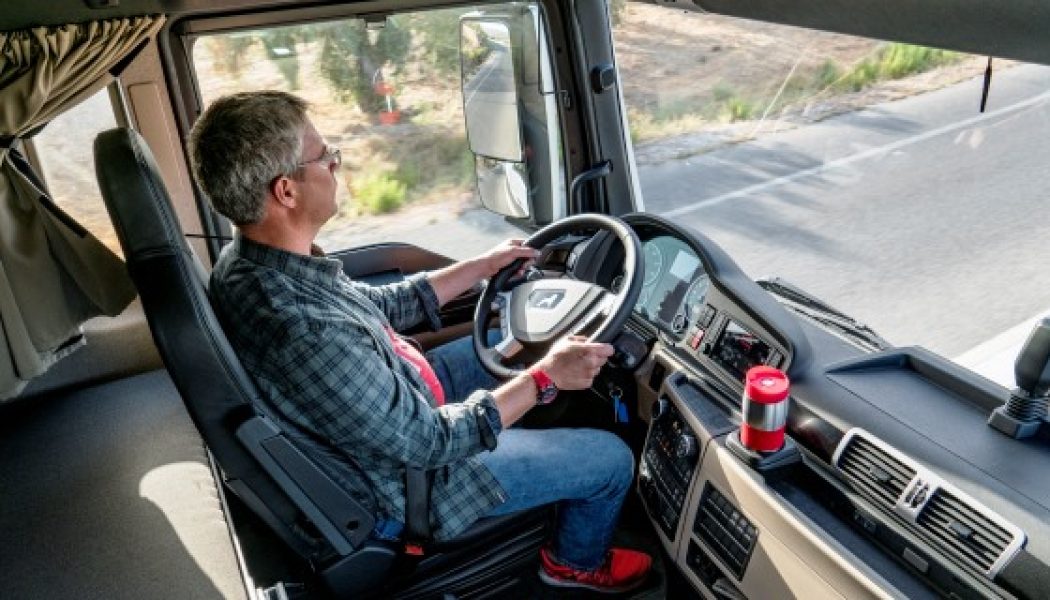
{"type": "Point", "coordinates": [1024, 412]}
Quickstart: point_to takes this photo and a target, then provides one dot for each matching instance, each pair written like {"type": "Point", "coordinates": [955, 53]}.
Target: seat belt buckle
{"type": "Point", "coordinates": [414, 549]}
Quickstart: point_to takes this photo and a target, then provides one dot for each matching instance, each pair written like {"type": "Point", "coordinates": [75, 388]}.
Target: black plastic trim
{"type": "Point", "coordinates": [342, 521]}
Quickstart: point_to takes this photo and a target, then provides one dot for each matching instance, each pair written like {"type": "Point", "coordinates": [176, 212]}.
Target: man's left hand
{"type": "Point", "coordinates": [505, 253]}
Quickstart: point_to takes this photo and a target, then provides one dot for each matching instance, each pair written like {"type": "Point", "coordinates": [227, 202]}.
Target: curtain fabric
{"type": "Point", "coordinates": [54, 275]}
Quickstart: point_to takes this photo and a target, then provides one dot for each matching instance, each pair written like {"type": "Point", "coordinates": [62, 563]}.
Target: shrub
{"type": "Point", "coordinates": [901, 60]}
{"type": "Point", "coordinates": [738, 109]}
{"type": "Point", "coordinates": [379, 192]}
{"type": "Point", "coordinates": [894, 61]}
{"type": "Point", "coordinates": [828, 74]}
{"type": "Point", "coordinates": [408, 173]}
{"type": "Point", "coordinates": [722, 92]}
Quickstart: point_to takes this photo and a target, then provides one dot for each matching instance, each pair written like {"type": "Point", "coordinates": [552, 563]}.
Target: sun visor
{"type": "Point", "coordinates": [1015, 29]}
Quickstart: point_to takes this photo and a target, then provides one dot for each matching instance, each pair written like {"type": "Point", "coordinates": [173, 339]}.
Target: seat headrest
{"type": "Point", "coordinates": [127, 174]}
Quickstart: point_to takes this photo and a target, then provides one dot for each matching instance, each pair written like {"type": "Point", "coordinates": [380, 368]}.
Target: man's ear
{"type": "Point", "coordinates": [284, 191]}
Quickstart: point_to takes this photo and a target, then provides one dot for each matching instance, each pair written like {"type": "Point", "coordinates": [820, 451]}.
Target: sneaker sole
{"type": "Point", "coordinates": [561, 583]}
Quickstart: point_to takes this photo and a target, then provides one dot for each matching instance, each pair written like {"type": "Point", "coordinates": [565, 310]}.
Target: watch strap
{"type": "Point", "coordinates": [546, 390]}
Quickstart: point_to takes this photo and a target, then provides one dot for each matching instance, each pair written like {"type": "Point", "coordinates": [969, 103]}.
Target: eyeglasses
{"type": "Point", "coordinates": [330, 156]}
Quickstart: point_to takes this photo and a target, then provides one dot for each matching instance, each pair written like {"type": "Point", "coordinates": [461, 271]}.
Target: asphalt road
{"type": "Point", "coordinates": [921, 217]}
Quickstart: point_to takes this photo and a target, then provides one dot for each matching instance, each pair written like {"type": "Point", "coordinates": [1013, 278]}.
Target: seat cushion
{"type": "Point", "coordinates": [108, 493]}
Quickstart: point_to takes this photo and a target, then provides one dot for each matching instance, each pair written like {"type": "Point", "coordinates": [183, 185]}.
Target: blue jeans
{"type": "Point", "coordinates": [587, 472]}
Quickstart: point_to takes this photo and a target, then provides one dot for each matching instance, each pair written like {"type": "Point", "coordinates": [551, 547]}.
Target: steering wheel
{"type": "Point", "coordinates": [535, 312]}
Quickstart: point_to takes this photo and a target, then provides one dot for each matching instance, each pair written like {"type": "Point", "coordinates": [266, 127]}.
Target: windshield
{"type": "Point", "coordinates": [861, 171]}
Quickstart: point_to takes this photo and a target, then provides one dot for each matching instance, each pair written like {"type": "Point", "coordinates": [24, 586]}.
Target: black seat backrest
{"type": "Point", "coordinates": [295, 484]}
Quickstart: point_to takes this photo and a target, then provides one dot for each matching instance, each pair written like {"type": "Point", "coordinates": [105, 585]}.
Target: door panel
{"type": "Point", "coordinates": [378, 264]}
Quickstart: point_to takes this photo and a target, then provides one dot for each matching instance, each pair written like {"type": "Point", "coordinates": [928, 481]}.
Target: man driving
{"type": "Point", "coordinates": [325, 352]}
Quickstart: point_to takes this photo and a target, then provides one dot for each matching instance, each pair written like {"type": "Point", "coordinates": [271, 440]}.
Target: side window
{"type": "Point", "coordinates": [63, 150]}
{"type": "Point", "coordinates": [389, 96]}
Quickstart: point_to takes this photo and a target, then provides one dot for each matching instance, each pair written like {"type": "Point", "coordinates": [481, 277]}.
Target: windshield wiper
{"type": "Point", "coordinates": [821, 312]}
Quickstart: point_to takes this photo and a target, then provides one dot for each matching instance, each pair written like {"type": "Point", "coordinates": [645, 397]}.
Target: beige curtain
{"type": "Point", "coordinates": [53, 274]}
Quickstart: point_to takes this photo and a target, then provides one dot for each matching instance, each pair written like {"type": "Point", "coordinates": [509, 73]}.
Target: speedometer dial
{"type": "Point", "coordinates": [654, 264]}
{"type": "Point", "coordinates": [694, 298]}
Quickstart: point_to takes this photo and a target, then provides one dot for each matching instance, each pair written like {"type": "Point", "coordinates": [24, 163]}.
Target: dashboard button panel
{"type": "Point", "coordinates": [666, 470]}
{"type": "Point", "coordinates": [728, 533]}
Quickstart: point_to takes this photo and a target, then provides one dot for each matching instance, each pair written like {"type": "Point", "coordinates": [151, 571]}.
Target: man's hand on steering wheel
{"type": "Point", "coordinates": [505, 253]}
{"type": "Point", "coordinates": [573, 362]}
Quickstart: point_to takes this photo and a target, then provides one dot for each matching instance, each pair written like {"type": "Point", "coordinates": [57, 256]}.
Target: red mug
{"type": "Point", "coordinates": [765, 409]}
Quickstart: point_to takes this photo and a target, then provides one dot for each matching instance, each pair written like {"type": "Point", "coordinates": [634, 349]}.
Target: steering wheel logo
{"type": "Point", "coordinates": [545, 298]}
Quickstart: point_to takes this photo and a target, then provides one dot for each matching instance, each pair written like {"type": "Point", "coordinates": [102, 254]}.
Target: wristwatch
{"type": "Point", "coordinates": [547, 390]}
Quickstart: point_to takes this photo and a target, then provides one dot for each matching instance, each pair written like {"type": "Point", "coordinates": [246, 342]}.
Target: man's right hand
{"type": "Point", "coordinates": [573, 362]}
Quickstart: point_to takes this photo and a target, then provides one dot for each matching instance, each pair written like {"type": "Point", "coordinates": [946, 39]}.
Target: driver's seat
{"type": "Point", "coordinates": [292, 482]}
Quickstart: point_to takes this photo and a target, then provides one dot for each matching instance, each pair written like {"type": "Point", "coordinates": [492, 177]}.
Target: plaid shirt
{"type": "Point", "coordinates": [314, 343]}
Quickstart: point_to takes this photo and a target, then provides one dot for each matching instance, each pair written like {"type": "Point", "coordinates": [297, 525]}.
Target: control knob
{"type": "Point", "coordinates": [686, 446]}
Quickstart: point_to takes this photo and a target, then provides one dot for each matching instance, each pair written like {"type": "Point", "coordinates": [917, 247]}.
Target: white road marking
{"type": "Point", "coordinates": [846, 160]}
{"type": "Point", "coordinates": [489, 68]}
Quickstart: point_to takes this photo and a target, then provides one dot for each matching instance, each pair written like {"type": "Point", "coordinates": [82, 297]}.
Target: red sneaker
{"type": "Point", "coordinates": [622, 571]}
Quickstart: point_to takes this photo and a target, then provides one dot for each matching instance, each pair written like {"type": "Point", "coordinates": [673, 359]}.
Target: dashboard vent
{"type": "Point", "coordinates": [873, 472]}
{"type": "Point", "coordinates": [963, 531]}
{"type": "Point", "coordinates": [937, 512]}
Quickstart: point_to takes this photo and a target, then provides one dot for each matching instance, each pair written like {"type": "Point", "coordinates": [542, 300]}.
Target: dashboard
{"type": "Point", "coordinates": [897, 473]}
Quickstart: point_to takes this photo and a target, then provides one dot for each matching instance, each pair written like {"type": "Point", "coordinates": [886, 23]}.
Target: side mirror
{"type": "Point", "coordinates": [490, 89]}
{"type": "Point", "coordinates": [511, 113]}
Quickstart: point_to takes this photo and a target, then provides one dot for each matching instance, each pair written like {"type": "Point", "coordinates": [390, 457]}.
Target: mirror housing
{"type": "Point", "coordinates": [511, 114]}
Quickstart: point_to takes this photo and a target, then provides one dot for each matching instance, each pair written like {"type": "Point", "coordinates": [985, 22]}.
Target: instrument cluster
{"type": "Point", "coordinates": [674, 287]}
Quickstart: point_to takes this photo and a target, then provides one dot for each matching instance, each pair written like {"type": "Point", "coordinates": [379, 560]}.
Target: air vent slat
{"type": "Point", "coordinates": [877, 460]}
{"type": "Point", "coordinates": [962, 551]}
{"type": "Point", "coordinates": [943, 526]}
{"type": "Point", "coordinates": [982, 529]}
{"type": "Point", "coordinates": [975, 520]}
{"type": "Point", "coordinates": [873, 460]}
{"type": "Point", "coordinates": [873, 472]}
{"type": "Point", "coordinates": [942, 529]}
{"type": "Point", "coordinates": [874, 492]}
{"type": "Point", "coordinates": [859, 475]}
{"type": "Point", "coordinates": [964, 530]}
{"type": "Point", "coordinates": [947, 509]}
{"type": "Point", "coordinates": [986, 542]}
{"type": "Point", "coordinates": [866, 446]}
{"type": "Point", "coordinates": [944, 501]}
{"type": "Point", "coordinates": [867, 468]}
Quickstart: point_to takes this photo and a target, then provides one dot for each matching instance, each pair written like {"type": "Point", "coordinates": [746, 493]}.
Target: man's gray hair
{"type": "Point", "coordinates": [240, 144]}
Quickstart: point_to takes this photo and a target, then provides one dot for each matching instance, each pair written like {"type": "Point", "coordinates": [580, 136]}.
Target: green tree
{"type": "Point", "coordinates": [228, 50]}
{"type": "Point", "coordinates": [353, 59]}
{"type": "Point", "coordinates": [617, 11]}
{"type": "Point", "coordinates": [439, 38]}
{"type": "Point", "coordinates": [280, 45]}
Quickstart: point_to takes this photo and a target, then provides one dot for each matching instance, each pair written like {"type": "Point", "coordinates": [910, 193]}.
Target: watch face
{"type": "Point", "coordinates": [547, 394]}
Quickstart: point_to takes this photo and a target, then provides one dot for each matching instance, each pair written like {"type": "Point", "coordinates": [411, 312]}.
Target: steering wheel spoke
{"type": "Point", "coordinates": [596, 315]}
